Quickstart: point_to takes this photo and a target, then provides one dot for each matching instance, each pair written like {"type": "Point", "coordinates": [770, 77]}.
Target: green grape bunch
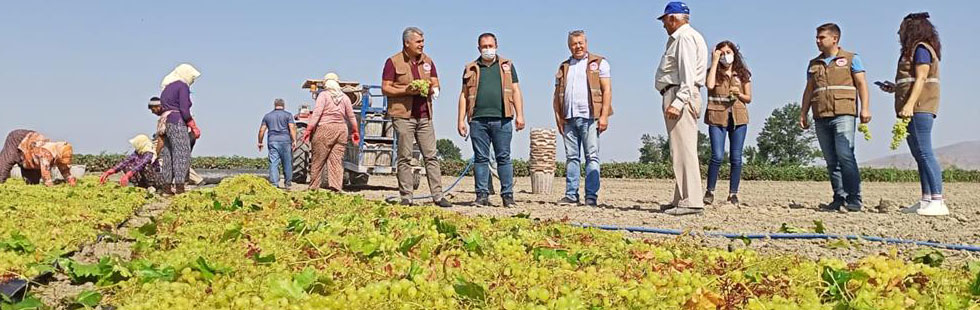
{"type": "Point", "coordinates": [422, 86]}
{"type": "Point", "coordinates": [863, 128]}
{"type": "Point", "coordinates": [899, 132]}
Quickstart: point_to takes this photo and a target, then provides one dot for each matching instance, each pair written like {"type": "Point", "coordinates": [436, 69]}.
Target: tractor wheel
{"type": "Point", "coordinates": [301, 160]}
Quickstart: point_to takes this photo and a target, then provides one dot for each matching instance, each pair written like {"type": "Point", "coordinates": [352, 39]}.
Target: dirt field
{"type": "Point", "coordinates": [765, 207]}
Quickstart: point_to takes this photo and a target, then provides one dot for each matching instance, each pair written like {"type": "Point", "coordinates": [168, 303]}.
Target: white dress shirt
{"type": "Point", "coordinates": [685, 64]}
{"type": "Point", "coordinates": [577, 87]}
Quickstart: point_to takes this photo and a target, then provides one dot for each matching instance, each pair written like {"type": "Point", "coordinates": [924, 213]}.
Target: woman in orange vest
{"type": "Point", "coordinates": [916, 91]}
{"type": "Point", "coordinates": [729, 91]}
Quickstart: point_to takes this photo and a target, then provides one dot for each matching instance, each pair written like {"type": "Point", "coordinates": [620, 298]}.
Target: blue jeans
{"type": "Point", "coordinates": [497, 132]}
{"type": "Point", "coordinates": [280, 152]}
{"type": "Point", "coordinates": [836, 137]}
{"type": "Point", "coordinates": [717, 136]}
{"type": "Point", "coordinates": [581, 136]}
{"type": "Point", "coordinates": [920, 143]}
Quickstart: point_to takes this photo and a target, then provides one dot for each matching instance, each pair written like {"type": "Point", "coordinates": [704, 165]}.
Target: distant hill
{"type": "Point", "coordinates": [963, 155]}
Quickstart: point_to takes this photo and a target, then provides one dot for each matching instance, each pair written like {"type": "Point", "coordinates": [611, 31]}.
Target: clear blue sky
{"type": "Point", "coordinates": [83, 70]}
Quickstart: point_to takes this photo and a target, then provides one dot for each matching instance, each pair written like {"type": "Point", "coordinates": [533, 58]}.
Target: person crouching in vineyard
{"type": "Point", "coordinates": [916, 90]}
{"type": "Point", "coordinates": [20, 149]}
{"type": "Point", "coordinates": [729, 91]}
{"type": "Point", "coordinates": [41, 154]}
{"type": "Point", "coordinates": [141, 167]}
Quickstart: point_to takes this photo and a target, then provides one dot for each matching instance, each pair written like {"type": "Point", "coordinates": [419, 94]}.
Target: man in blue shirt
{"type": "Point", "coordinates": [282, 139]}
{"type": "Point", "coordinates": [835, 86]}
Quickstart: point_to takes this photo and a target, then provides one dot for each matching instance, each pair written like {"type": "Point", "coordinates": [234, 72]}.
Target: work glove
{"type": "Point", "coordinates": [435, 93]}
{"type": "Point", "coordinates": [124, 180]}
{"type": "Point", "coordinates": [194, 129]}
{"type": "Point", "coordinates": [105, 176]}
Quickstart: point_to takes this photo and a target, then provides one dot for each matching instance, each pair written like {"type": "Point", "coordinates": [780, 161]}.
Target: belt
{"type": "Point", "coordinates": [664, 91]}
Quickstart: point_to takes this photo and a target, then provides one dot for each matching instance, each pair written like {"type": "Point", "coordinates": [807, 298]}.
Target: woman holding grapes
{"type": "Point", "coordinates": [916, 90]}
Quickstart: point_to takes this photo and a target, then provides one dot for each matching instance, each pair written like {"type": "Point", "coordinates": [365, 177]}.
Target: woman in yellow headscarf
{"type": "Point", "coordinates": [141, 164]}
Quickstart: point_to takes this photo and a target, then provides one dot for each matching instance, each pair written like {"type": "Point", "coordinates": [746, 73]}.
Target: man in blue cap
{"type": "Point", "coordinates": [680, 77]}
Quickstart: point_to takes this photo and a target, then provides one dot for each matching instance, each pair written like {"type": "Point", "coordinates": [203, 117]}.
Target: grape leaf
{"type": "Point", "coordinates": [818, 227]}
{"type": "Point", "coordinates": [413, 270]}
{"type": "Point", "coordinates": [784, 228]}
{"type": "Point", "coordinates": [17, 243]}
{"type": "Point", "coordinates": [445, 228]}
{"type": "Point", "coordinates": [474, 243]}
{"type": "Point", "coordinates": [232, 232]}
{"type": "Point", "coordinates": [469, 290]}
{"type": "Point", "coordinates": [975, 286]}
{"type": "Point", "coordinates": [148, 229]}
{"type": "Point", "coordinates": [928, 256]}
{"type": "Point", "coordinates": [89, 299]}
{"type": "Point", "coordinates": [410, 242]}
{"type": "Point", "coordinates": [268, 259]}
{"type": "Point", "coordinates": [28, 303]}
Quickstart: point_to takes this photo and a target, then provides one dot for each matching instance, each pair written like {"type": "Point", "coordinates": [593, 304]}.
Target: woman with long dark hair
{"type": "Point", "coordinates": [729, 91]}
{"type": "Point", "coordinates": [916, 91]}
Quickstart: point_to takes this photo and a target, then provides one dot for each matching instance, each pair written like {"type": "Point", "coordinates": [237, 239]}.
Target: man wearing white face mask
{"type": "Point", "coordinates": [490, 108]}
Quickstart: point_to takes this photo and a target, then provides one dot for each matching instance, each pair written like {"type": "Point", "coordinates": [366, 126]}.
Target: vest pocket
{"type": "Point", "coordinates": [845, 102]}
{"type": "Point", "coordinates": [715, 116]}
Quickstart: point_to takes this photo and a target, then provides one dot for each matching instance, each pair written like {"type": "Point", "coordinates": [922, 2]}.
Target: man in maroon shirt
{"type": "Point", "coordinates": [411, 113]}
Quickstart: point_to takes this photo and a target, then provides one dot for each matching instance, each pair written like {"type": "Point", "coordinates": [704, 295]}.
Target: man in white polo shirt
{"type": "Point", "coordinates": [583, 104]}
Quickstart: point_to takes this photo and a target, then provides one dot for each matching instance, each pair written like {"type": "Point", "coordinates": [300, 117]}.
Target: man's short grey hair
{"type": "Point", "coordinates": [279, 102]}
{"type": "Point", "coordinates": [682, 16]}
{"type": "Point", "coordinates": [409, 31]}
{"type": "Point", "coordinates": [576, 33]}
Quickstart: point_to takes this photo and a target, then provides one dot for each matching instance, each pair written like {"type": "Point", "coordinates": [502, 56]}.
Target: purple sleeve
{"type": "Point", "coordinates": [141, 161]}
{"type": "Point", "coordinates": [184, 102]}
{"type": "Point", "coordinates": [433, 74]}
{"type": "Point", "coordinates": [388, 74]}
{"type": "Point", "coordinates": [128, 161]}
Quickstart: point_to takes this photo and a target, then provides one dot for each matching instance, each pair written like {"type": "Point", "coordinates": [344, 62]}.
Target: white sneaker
{"type": "Point", "coordinates": [915, 207]}
{"type": "Point", "coordinates": [934, 208]}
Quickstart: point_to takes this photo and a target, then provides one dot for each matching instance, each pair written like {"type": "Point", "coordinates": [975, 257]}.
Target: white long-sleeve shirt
{"type": "Point", "coordinates": [685, 64]}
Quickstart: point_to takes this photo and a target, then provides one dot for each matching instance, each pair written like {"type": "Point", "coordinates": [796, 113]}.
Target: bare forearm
{"type": "Point", "coordinates": [710, 79]}
{"type": "Point", "coordinates": [606, 99]}
{"type": "Point", "coordinates": [518, 102]}
{"type": "Point", "coordinates": [921, 74]}
{"type": "Point", "coordinates": [461, 108]}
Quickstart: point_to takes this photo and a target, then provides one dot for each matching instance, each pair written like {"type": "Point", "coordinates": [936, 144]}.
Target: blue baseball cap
{"type": "Point", "coordinates": [675, 7]}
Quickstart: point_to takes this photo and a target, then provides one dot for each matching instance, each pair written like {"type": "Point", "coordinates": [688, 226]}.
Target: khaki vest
{"type": "Point", "coordinates": [833, 91]}
{"type": "Point", "coordinates": [471, 83]}
{"type": "Point", "coordinates": [720, 100]}
{"type": "Point", "coordinates": [592, 82]}
{"type": "Point", "coordinates": [905, 78]}
{"type": "Point", "coordinates": [401, 106]}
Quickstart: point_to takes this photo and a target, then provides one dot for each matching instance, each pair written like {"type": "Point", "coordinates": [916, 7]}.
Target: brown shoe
{"type": "Point", "coordinates": [179, 189]}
